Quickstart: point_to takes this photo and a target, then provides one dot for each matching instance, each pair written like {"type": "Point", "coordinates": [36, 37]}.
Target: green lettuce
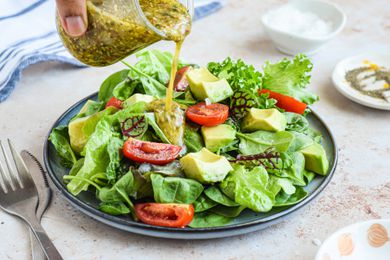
{"type": "Point", "coordinates": [207, 219]}
{"type": "Point", "coordinates": [290, 78]}
{"type": "Point", "coordinates": [175, 189]}
{"type": "Point", "coordinates": [109, 84]}
{"type": "Point", "coordinates": [59, 137]}
{"type": "Point", "coordinates": [249, 188]}
{"type": "Point", "coordinates": [259, 141]}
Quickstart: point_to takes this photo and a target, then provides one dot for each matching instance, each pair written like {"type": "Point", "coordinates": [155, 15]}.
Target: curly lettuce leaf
{"type": "Point", "coordinates": [290, 78]}
{"type": "Point", "coordinates": [240, 75]}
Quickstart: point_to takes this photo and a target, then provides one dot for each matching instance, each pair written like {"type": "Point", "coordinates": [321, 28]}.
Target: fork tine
{"type": "Point", "coordinates": [21, 167]}
{"type": "Point", "coordinates": [2, 179]}
{"type": "Point", "coordinates": [5, 173]}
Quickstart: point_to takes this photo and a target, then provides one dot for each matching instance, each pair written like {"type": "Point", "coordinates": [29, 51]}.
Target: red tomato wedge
{"type": "Point", "coordinates": [114, 102]}
{"type": "Point", "coordinates": [150, 152]}
{"type": "Point", "coordinates": [208, 115]}
{"type": "Point", "coordinates": [181, 81]}
{"type": "Point", "coordinates": [287, 103]}
{"type": "Point", "coordinates": [165, 215]}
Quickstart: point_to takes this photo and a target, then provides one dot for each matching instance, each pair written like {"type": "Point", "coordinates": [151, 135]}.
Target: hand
{"type": "Point", "coordinates": [73, 16]}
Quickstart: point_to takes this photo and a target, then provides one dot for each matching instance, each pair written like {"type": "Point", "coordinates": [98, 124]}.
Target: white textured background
{"type": "Point", "coordinates": [359, 191]}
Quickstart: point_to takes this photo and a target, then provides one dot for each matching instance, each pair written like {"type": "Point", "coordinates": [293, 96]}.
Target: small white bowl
{"type": "Point", "coordinates": [293, 44]}
{"type": "Point", "coordinates": [360, 241]}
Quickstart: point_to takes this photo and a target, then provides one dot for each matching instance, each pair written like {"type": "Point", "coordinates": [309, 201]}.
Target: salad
{"type": "Point", "coordinates": [238, 140]}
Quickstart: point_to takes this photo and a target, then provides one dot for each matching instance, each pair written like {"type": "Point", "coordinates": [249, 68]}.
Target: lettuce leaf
{"type": "Point", "coordinates": [249, 188]}
{"type": "Point", "coordinates": [59, 137]}
{"type": "Point", "coordinates": [259, 141]}
{"type": "Point", "coordinates": [290, 78]}
{"type": "Point", "coordinates": [175, 189]}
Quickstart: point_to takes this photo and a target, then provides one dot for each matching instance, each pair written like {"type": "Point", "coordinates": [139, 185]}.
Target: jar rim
{"type": "Point", "coordinates": [190, 9]}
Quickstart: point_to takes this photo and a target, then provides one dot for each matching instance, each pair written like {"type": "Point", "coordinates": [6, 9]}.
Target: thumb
{"type": "Point", "coordinates": [73, 16]}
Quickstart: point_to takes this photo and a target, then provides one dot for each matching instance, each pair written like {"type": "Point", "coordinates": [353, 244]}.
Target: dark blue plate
{"type": "Point", "coordinates": [248, 221]}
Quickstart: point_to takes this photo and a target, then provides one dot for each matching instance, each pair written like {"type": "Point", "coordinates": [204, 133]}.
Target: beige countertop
{"type": "Point", "coordinates": [360, 189]}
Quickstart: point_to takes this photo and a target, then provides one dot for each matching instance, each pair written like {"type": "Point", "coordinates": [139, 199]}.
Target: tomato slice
{"type": "Point", "coordinates": [287, 103]}
{"type": "Point", "coordinates": [208, 115]}
{"type": "Point", "coordinates": [181, 81]}
{"type": "Point", "coordinates": [114, 102]}
{"type": "Point", "coordinates": [165, 215]}
{"type": "Point", "coordinates": [150, 152]}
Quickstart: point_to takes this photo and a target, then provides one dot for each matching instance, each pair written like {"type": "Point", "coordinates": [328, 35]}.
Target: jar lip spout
{"type": "Point", "coordinates": [190, 8]}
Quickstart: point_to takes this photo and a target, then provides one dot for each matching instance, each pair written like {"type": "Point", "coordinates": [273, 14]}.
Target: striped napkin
{"type": "Point", "coordinates": [28, 35]}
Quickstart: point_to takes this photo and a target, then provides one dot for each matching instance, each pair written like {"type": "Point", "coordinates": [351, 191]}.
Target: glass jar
{"type": "Point", "coordinates": [118, 28]}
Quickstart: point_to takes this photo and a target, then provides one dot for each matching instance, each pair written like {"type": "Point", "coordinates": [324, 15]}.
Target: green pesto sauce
{"type": "Point", "coordinates": [115, 30]}
{"type": "Point", "coordinates": [355, 81]}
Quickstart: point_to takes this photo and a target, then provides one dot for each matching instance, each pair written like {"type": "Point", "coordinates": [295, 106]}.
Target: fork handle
{"type": "Point", "coordinates": [47, 245]}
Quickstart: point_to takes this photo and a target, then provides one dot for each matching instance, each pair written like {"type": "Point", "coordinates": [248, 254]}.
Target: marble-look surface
{"type": "Point", "coordinates": [360, 189]}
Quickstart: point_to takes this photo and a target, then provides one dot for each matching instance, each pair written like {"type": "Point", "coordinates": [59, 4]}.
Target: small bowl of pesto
{"type": "Point", "coordinates": [303, 26]}
{"type": "Point", "coordinates": [365, 79]}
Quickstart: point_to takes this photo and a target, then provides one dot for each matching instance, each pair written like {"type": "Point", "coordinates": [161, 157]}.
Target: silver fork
{"type": "Point", "coordinates": [19, 197]}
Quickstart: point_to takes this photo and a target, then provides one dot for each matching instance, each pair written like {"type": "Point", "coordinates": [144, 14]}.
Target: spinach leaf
{"type": "Point", "coordinates": [108, 85]}
{"type": "Point", "coordinates": [284, 199]}
{"type": "Point", "coordinates": [192, 139]}
{"type": "Point", "coordinates": [175, 189]}
{"type": "Point", "coordinates": [125, 89]}
{"type": "Point", "coordinates": [290, 78]}
{"type": "Point", "coordinates": [151, 119]}
{"type": "Point", "coordinates": [230, 212]}
{"type": "Point", "coordinates": [300, 142]}
{"type": "Point", "coordinates": [114, 208]}
{"type": "Point", "coordinates": [296, 122]}
{"type": "Point", "coordinates": [249, 188]}
{"type": "Point", "coordinates": [216, 195]}
{"type": "Point", "coordinates": [120, 191]}
{"type": "Point", "coordinates": [150, 85]}
{"type": "Point", "coordinates": [203, 203]}
{"type": "Point", "coordinates": [294, 168]}
{"type": "Point", "coordinates": [206, 219]}
{"type": "Point", "coordinates": [259, 141]}
{"type": "Point", "coordinates": [172, 169]}
{"type": "Point", "coordinates": [59, 137]}
{"type": "Point", "coordinates": [114, 148]}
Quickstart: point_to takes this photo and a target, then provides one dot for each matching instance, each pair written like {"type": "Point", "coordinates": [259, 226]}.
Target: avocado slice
{"type": "Point", "coordinates": [216, 137]}
{"type": "Point", "coordinates": [315, 159]}
{"type": "Point", "coordinates": [264, 119]}
{"type": "Point", "coordinates": [81, 128]}
{"type": "Point", "coordinates": [138, 98]}
{"type": "Point", "coordinates": [205, 166]}
{"type": "Point", "coordinates": [204, 85]}
{"type": "Point", "coordinates": [86, 106]}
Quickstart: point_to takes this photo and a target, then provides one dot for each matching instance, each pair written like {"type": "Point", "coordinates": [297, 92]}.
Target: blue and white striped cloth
{"type": "Point", "coordinates": [28, 35]}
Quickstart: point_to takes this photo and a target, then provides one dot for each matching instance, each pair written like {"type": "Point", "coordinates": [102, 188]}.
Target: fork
{"type": "Point", "coordinates": [19, 197]}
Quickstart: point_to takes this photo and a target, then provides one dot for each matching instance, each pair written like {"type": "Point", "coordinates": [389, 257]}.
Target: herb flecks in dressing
{"type": "Point", "coordinates": [363, 78]}
{"type": "Point", "coordinates": [171, 122]}
{"type": "Point", "coordinates": [116, 31]}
